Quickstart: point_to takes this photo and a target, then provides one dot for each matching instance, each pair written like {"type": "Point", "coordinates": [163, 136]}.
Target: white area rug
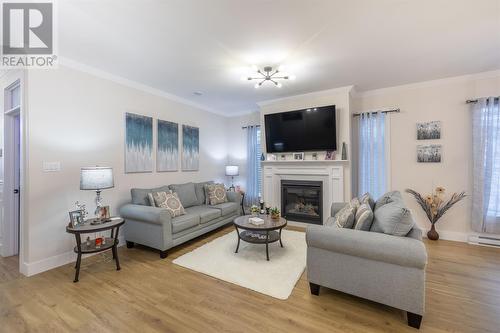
{"type": "Point", "coordinates": [249, 268]}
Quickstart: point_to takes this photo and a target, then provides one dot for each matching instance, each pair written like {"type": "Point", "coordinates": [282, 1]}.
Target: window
{"type": "Point", "coordinates": [373, 154]}
{"type": "Point", "coordinates": [486, 165]}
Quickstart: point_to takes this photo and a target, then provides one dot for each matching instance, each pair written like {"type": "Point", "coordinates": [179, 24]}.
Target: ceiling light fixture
{"type": "Point", "coordinates": [268, 74]}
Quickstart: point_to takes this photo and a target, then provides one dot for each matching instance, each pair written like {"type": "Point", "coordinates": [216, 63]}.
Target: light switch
{"type": "Point", "coordinates": [51, 166]}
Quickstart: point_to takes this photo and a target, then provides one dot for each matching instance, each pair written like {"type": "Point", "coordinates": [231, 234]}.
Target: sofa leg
{"type": "Point", "coordinates": [314, 288]}
{"type": "Point", "coordinates": [130, 245]}
{"type": "Point", "coordinates": [163, 254]}
{"type": "Point", "coordinates": [414, 320]}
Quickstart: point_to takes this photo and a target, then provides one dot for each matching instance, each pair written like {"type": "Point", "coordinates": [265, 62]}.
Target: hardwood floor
{"type": "Point", "coordinates": [154, 295]}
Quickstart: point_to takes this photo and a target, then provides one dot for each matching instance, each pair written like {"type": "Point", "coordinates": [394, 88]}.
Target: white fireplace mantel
{"type": "Point", "coordinates": [329, 172]}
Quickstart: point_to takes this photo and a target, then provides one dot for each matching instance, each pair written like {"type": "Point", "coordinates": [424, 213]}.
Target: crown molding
{"type": "Point", "coordinates": [70, 63]}
{"type": "Point", "coordinates": [430, 83]}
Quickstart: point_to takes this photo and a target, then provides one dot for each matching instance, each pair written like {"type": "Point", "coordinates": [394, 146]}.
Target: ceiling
{"type": "Point", "coordinates": [187, 46]}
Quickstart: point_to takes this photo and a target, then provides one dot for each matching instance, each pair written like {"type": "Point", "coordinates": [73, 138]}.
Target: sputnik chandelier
{"type": "Point", "coordinates": [271, 75]}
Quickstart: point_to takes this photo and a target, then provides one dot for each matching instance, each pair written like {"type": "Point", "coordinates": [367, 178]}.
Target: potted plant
{"type": "Point", "coordinates": [435, 206]}
{"type": "Point", "coordinates": [254, 210]}
{"type": "Point", "coordinates": [275, 213]}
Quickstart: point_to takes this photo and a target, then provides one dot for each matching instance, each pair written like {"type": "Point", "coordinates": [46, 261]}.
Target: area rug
{"type": "Point", "coordinates": [249, 268]}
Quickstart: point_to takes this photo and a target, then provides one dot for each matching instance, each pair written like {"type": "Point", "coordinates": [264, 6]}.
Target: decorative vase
{"type": "Point", "coordinates": [344, 151]}
{"type": "Point", "coordinates": [432, 234]}
{"type": "Point", "coordinates": [262, 157]}
{"type": "Point", "coordinates": [275, 216]}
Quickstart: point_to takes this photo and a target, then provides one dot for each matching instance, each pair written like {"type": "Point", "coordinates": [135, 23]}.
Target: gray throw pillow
{"type": "Point", "coordinates": [200, 192]}
{"type": "Point", "coordinates": [344, 217]}
{"type": "Point", "coordinates": [355, 203]}
{"type": "Point", "coordinates": [387, 198]}
{"type": "Point", "coordinates": [140, 195]}
{"type": "Point", "coordinates": [393, 218]}
{"type": "Point", "coordinates": [367, 199]}
{"type": "Point", "coordinates": [186, 193]}
{"type": "Point", "coordinates": [364, 218]}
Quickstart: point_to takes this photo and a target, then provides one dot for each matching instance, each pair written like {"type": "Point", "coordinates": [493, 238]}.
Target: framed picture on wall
{"type": "Point", "coordinates": [298, 156]}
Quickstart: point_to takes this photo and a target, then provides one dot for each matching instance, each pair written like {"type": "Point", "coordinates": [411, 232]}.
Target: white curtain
{"type": "Point", "coordinates": [372, 168]}
{"type": "Point", "coordinates": [253, 151]}
{"type": "Point", "coordinates": [486, 165]}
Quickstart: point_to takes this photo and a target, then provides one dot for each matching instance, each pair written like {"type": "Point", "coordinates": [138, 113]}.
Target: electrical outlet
{"type": "Point", "coordinates": [51, 166]}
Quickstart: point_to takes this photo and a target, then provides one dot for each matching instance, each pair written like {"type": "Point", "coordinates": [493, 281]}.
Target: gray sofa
{"type": "Point", "coordinates": [376, 266]}
{"type": "Point", "coordinates": [154, 227]}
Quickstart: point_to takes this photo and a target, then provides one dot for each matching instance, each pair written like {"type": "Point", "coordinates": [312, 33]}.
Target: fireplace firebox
{"type": "Point", "coordinates": [302, 201]}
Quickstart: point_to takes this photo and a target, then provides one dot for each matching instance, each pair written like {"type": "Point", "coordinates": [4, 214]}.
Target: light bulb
{"type": "Point", "coordinates": [257, 86]}
{"type": "Point", "coordinates": [279, 85]}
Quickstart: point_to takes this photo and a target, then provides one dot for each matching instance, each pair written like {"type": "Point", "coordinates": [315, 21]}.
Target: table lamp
{"type": "Point", "coordinates": [232, 170]}
{"type": "Point", "coordinates": [96, 179]}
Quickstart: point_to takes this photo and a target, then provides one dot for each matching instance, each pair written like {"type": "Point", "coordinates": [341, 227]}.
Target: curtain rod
{"type": "Point", "coordinates": [245, 127]}
{"type": "Point", "coordinates": [472, 101]}
{"type": "Point", "coordinates": [382, 111]}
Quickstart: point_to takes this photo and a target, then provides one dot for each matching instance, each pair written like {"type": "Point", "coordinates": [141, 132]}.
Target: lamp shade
{"type": "Point", "coordinates": [232, 170]}
{"type": "Point", "coordinates": [96, 178]}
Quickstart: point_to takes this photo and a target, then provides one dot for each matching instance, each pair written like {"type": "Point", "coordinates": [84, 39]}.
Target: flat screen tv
{"type": "Point", "coordinates": [310, 129]}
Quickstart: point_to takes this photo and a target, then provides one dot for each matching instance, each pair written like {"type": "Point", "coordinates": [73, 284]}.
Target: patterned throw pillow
{"type": "Point", "coordinates": [216, 194]}
{"type": "Point", "coordinates": [364, 218]}
{"type": "Point", "coordinates": [344, 217]}
{"type": "Point", "coordinates": [367, 199]}
{"type": "Point", "coordinates": [355, 203]}
{"type": "Point", "coordinates": [170, 201]}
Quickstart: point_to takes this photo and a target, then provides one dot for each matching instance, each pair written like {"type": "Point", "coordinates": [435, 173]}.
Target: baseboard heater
{"type": "Point", "coordinates": [485, 240]}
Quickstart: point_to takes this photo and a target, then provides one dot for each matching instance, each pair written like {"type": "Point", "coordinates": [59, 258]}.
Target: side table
{"type": "Point", "coordinates": [111, 243]}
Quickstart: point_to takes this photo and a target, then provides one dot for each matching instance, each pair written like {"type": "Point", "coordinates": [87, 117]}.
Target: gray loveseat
{"type": "Point", "coordinates": [154, 227]}
{"type": "Point", "coordinates": [376, 266]}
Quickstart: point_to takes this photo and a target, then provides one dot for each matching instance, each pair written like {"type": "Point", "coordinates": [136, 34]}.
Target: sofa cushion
{"type": "Point", "coordinates": [186, 193]}
{"type": "Point", "coordinates": [367, 198]}
{"type": "Point", "coordinates": [151, 200]}
{"type": "Point", "coordinates": [387, 198]}
{"type": "Point", "coordinates": [355, 203]}
{"type": "Point", "coordinates": [363, 218]}
{"type": "Point", "coordinates": [227, 208]}
{"type": "Point", "coordinates": [206, 214]}
{"type": "Point", "coordinates": [344, 217]}
{"type": "Point", "coordinates": [169, 201]}
{"type": "Point", "coordinates": [184, 222]}
{"type": "Point", "coordinates": [200, 192]}
{"type": "Point", "coordinates": [216, 194]}
{"type": "Point", "coordinates": [140, 195]}
{"type": "Point", "coordinates": [393, 218]}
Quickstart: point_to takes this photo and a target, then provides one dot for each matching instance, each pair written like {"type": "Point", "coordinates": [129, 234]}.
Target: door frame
{"type": "Point", "coordinates": [10, 229]}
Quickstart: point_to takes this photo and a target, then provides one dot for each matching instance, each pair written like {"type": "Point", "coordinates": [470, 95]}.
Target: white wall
{"type": "Point", "coordinates": [442, 100]}
{"type": "Point", "coordinates": [78, 119]}
{"type": "Point", "coordinates": [237, 144]}
{"type": "Point", "coordinates": [339, 97]}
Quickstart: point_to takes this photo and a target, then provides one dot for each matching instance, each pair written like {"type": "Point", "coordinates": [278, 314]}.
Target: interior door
{"type": "Point", "coordinates": [17, 179]}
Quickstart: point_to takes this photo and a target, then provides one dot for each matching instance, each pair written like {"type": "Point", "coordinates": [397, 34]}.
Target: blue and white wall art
{"type": "Point", "coordinates": [190, 148]}
{"type": "Point", "coordinates": [138, 143]}
{"type": "Point", "coordinates": [167, 154]}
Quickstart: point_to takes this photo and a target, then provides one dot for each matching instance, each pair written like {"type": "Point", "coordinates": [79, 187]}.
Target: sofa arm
{"type": "Point", "coordinates": [403, 251]}
{"type": "Point", "coordinates": [147, 214]}
{"type": "Point", "coordinates": [233, 196]}
{"type": "Point", "coordinates": [336, 206]}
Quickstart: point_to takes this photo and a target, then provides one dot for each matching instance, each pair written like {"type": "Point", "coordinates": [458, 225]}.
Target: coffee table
{"type": "Point", "coordinates": [266, 233]}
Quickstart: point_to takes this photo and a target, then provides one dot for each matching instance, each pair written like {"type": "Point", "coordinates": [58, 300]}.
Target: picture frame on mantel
{"type": "Point", "coordinates": [298, 156]}
{"type": "Point", "coordinates": [330, 155]}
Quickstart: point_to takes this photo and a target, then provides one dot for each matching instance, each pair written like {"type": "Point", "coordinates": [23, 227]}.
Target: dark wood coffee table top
{"type": "Point", "coordinates": [269, 223]}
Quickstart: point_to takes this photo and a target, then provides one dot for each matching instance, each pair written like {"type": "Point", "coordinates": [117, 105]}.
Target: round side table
{"type": "Point", "coordinates": [111, 243]}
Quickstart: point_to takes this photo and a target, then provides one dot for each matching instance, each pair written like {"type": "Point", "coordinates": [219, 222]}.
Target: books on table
{"type": "Point", "coordinates": [256, 221]}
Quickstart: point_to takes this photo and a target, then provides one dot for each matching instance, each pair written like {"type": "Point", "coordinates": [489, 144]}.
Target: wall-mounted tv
{"type": "Point", "coordinates": [310, 129]}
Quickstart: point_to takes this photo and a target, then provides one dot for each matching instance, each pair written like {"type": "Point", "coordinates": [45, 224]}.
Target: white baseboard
{"type": "Point", "coordinates": [32, 268]}
{"type": "Point", "coordinates": [450, 235]}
